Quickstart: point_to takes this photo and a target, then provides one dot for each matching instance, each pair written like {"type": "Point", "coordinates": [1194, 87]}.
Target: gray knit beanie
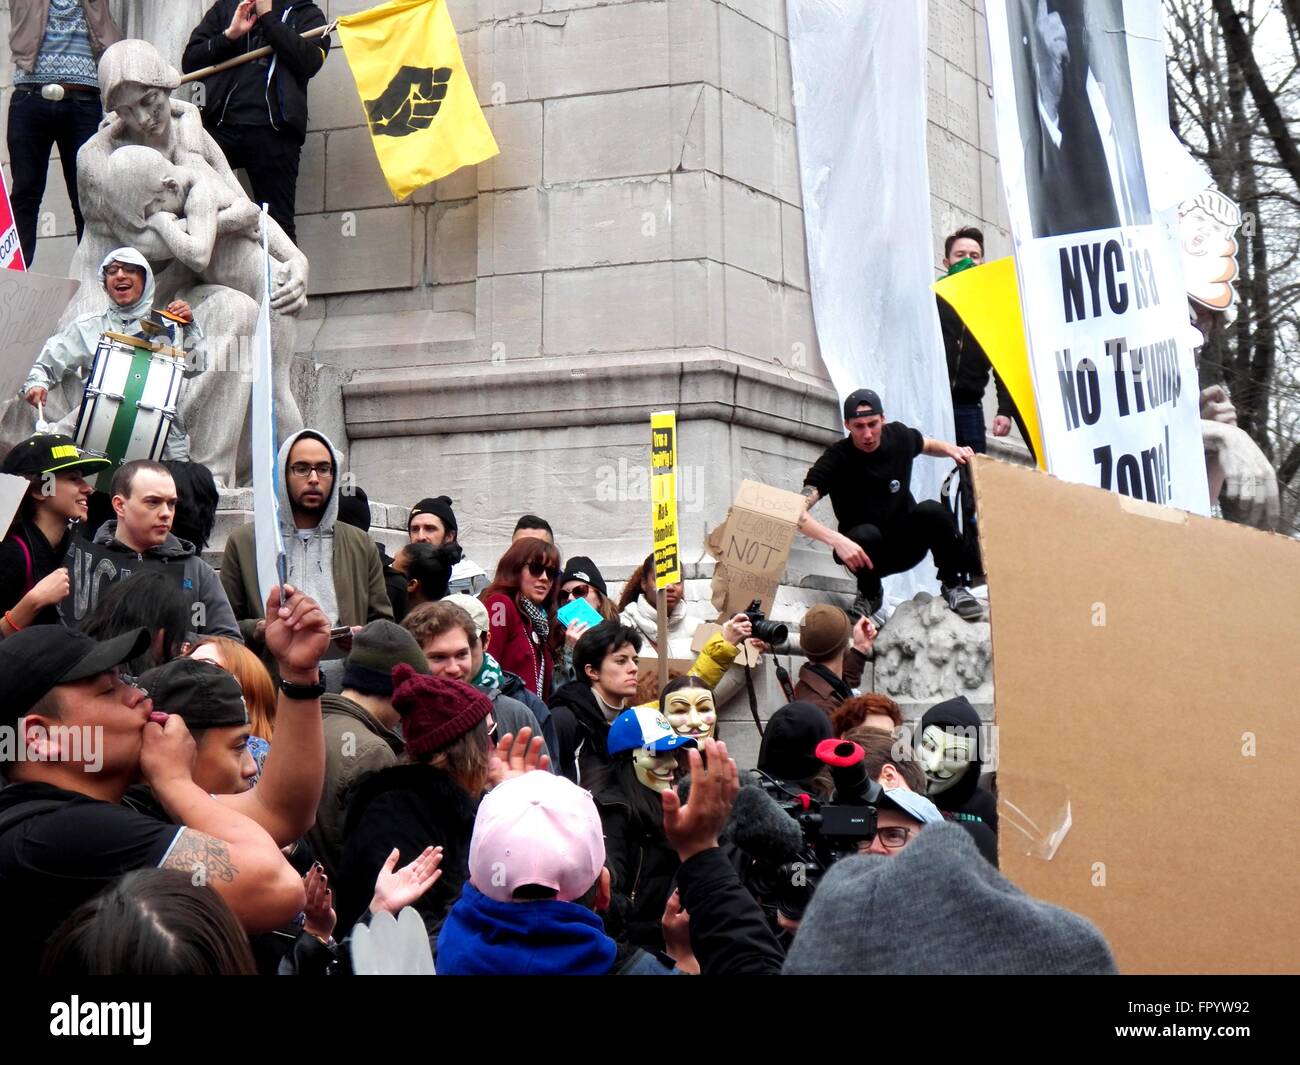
{"type": "Point", "coordinates": [938, 907]}
{"type": "Point", "coordinates": [376, 649]}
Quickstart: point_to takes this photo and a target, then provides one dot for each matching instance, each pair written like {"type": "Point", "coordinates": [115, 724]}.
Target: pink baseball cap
{"type": "Point", "coordinates": [536, 829]}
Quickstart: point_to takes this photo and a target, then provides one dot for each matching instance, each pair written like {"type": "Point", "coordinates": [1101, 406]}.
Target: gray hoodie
{"type": "Point", "coordinates": [309, 553]}
{"type": "Point", "coordinates": [199, 580]}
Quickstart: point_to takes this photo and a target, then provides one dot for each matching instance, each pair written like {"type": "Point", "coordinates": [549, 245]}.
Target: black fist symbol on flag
{"type": "Point", "coordinates": [410, 102]}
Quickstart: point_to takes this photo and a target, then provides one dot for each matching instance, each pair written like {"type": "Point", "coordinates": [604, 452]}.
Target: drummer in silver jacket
{"type": "Point", "coordinates": [128, 282]}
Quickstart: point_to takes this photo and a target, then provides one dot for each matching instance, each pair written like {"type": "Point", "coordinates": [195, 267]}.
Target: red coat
{"type": "Point", "coordinates": [512, 643]}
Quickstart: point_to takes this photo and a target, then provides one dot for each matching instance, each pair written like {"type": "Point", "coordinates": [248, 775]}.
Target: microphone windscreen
{"type": "Point", "coordinates": [762, 829]}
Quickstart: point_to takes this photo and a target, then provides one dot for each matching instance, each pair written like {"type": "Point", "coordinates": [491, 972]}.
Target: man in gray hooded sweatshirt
{"type": "Point", "coordinates": [329, 560]}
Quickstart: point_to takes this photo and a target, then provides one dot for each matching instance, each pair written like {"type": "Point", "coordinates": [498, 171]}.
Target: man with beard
{"type": "Point", "coordinates": [332, 562]}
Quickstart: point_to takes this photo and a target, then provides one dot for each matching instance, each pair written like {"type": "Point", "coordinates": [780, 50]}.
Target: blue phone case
{"type": "Point", "coordinates": [578, 610]}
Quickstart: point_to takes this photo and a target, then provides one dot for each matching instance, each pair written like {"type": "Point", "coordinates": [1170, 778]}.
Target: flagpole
{"type": "Point", "coordinates": [257, 53]}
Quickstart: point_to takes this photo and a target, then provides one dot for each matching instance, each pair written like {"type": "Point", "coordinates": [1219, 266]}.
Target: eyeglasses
{"type": "Point", "coordinates": [306, 469]}
{"type": "Point", "coordinates": [577, 592]}
{"type": "Point", "coordinates": [538, 568]}
{"type": "Point", "coordinates": [892, 838]}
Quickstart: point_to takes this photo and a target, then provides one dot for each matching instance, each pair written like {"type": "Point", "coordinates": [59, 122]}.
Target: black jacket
{"type": "Point", "coordinates": [395, 583]}
{"type": "Point", "coordinates": [642, 866]}
{"type": "Point", "coordinates": [408, 806]}
{"type": "Point", "coordinates": [21, 570]}
{"type": "Point", "coordinates": [581, 732]}
{"type": "Point", "coordinates": [968, 365]}
{"type": "Point", "coordinates": [729, 932]}
{"type": "Point", "coordinates": [276, 90]}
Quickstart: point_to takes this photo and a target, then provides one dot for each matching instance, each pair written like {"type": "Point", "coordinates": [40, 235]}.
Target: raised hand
{"type": "Point", "coordinates": [696, 826]}
{"type": "Point", "coordinates": [243, 20]}
{"type": "Point", "coordinates": [397, 890]}
{"type": "Point", "coordinates": [516, 755]}
{"type": "Point", "coordinates": [297, 634]}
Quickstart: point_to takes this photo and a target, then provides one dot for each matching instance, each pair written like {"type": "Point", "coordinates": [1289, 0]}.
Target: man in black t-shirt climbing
{"type": "Point", "coordinates": [882, 529]}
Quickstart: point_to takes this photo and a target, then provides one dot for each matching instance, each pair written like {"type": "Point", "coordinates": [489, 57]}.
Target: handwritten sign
{"type": "Point", "coordinates": [663, 497]}
{"type": "Point", "coordinates": [752, 546]}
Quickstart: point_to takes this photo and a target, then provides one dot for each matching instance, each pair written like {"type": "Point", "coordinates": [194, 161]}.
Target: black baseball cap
{"type": "Point", "coordinates": [202, 694]}
{"type": "Point", "coordinates": [863, 397]}
{"type": "Point", "coordinates": [42, 657]}
{"type": "Point", "coordinates": [50, 453]}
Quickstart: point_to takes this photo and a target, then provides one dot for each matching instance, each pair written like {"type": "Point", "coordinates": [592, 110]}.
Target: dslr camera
{"type": "Point", "coordinates": [772, 633]}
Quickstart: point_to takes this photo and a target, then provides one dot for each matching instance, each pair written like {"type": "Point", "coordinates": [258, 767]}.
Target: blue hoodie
{"type": "Point", "coordinates": [484, 937]}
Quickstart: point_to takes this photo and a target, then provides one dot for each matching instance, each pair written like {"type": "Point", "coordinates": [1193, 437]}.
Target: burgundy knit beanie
{"type": "Point", "coordinates": [435, 710]}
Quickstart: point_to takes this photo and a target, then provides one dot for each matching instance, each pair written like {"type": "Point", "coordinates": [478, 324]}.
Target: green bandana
{"type": "Point", "coordinates": [488, 678]}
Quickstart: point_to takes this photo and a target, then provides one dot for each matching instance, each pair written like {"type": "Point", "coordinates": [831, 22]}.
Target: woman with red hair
{"type": "Point", "coordinates": [521, 611]}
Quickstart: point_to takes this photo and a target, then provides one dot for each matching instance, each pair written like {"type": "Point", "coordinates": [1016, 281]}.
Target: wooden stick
{"type": "Point", "coordinates": [256, 53]}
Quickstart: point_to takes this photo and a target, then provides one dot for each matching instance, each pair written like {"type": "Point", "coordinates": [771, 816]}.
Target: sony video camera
{"type": "Point", "coordinates": [829, 830]}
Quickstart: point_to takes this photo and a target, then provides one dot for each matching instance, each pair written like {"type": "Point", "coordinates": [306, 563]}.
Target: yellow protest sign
{"type": "Point", "coordinates": [420, 103]}
{"type": "Point", "coordinates": [987, 299]}
{"type": "Point", "coordinates": [663, 497]}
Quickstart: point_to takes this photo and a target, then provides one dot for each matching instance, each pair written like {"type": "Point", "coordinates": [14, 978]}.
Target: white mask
{"type": "Point", "coordinates": [945, 756]}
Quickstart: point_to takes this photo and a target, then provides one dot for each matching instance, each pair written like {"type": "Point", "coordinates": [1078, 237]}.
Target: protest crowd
{"type": "Point", "coordinates": [203, 775]}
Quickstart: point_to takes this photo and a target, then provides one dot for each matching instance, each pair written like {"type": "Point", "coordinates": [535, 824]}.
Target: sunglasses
{"type": "Point", "coordinates": [578, 591]}
{"type": "Point", "coordinates": [538, 568]}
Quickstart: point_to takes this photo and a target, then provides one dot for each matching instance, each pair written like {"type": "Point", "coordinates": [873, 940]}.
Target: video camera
{"type": "Point", "coordinates": [829, 830]}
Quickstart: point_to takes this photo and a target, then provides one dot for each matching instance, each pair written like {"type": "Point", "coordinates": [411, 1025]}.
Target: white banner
{"type": "Point", "coordinates": [266, 471]}
{"type": "Point", "coordinates": [1084, 143]}
{"type": "Point", "coordinates": [859, 87]}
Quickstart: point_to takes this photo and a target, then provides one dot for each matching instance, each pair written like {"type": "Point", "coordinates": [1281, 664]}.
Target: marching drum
{"type": "Point", "coordinates": [130, 401]}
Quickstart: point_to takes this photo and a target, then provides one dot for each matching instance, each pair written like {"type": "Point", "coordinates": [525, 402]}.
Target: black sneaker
{"type": "Point", "coordinates": [869, 607]}
{"type": "Point", "coordinates": [962, 603]}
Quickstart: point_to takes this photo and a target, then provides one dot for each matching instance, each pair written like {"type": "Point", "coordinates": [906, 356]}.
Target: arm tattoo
{"type": "Point", "coordinates": [811, 495]}
{"type": "Point", "coordinates": [197, 851]}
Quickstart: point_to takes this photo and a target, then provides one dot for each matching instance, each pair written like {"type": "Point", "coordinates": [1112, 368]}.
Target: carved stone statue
{"type": "Point", "coordinates": [153, 179]}
{"type": "Point", "coordinates": [926, 653]}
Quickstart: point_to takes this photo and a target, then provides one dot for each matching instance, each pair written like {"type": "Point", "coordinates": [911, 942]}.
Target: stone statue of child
{"type": "Point", "coordinates": [181, 212]}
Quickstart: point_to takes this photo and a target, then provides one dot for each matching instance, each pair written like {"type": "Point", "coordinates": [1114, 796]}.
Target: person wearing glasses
{"type": "Point", "coordinates": [580, 580]}
{"type": "Point", "coordinates": [521, 602]}
{"type": "Point", "coordinates": [332, 562]}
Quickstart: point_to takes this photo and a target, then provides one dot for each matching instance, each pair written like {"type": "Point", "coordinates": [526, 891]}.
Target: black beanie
{"type": "Point", "coordinates": [354, 508]}
{"type": "Point", "coordinates": [439, 507]}
{"type": "Point", "coordinates": [790, 739]}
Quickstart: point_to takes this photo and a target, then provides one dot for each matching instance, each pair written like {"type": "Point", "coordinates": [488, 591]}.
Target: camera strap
{"type": "Point", "coordinates": [753, 697]}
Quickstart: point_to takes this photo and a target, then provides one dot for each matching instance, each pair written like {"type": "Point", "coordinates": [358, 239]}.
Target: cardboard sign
{"type": "Point", "coordinates": [663, 497]}
{"type": "Point", "coordinates": [751, 547]}
{"type": "Point", "coordinates": [12, 490]}
{"type": "Point", "coordinates": [30, 308]}
{"type": "Point", "coordinates": [1145, 747]}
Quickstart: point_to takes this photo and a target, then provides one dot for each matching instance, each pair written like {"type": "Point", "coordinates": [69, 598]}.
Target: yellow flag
{"type": "Point", "coordinates": [420, 103]}
{"type": "Point", "coordinates": [987, 299]}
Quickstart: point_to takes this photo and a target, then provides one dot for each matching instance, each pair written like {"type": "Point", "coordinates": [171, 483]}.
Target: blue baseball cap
{"type": "Point", "coordinates": [645, 727]}
{"type": "Point", "coordinates": [913, 804]}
